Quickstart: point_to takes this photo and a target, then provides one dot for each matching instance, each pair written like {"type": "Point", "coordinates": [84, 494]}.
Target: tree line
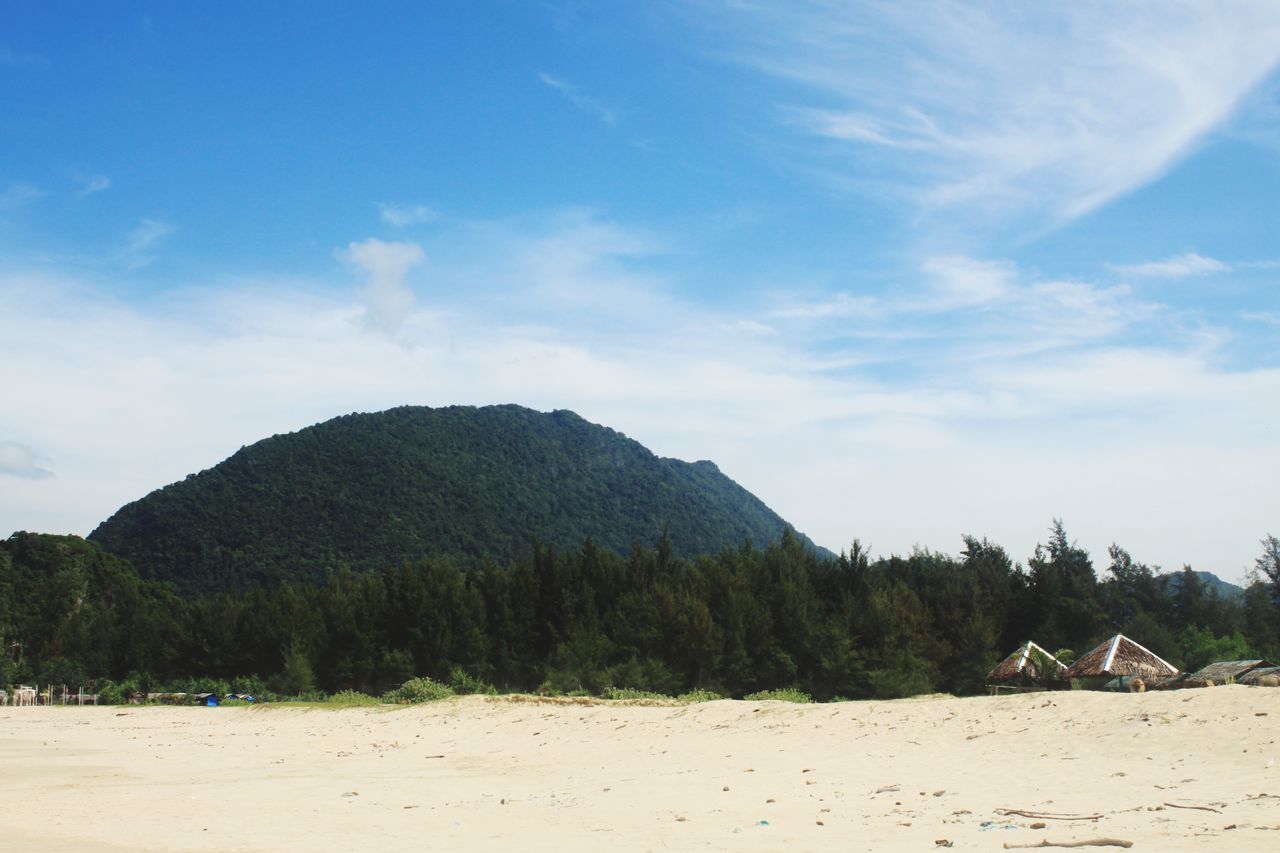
{"type": "Point", "coordinates": [740, 621]}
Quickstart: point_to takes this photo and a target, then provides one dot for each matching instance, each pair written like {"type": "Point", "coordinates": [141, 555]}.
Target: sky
{"type": "Point", "coordinates": [908, 271]}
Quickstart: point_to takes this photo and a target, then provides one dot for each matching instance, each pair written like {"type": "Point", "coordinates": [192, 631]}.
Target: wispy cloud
{"type": "Point", "coordinates": [1179, 266]}
{"type": "Point", "coordinates": [18, 460]}
{"type": "Point", "coordinates": [964, 310]}
{"type": "Point", "coordinates": [142, 241]}
{"type": "Point", "coordinates": [19, 194]}
{"type": "Point", "coordinates": [960, 281]}
{"type": "Point", "coordinates": [1054, 109]}
{"type": "Point", "coordinates": [580, 99]}
{"type": "Point", "coordinates": [387, 300]}
{"type": "Point", "coordinates": [1271, 318]}
{"type": "Point", "coordinates": [90, 184]}
{"type": "Point", "coordinates": [754, 327]}
{"type": "Point", "coordinates": [840, 305]}
{"type": "Point", "coordinates": [404, 215]}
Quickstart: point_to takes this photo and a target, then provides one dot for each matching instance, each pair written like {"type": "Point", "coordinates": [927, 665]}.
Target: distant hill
{"type": "Point", "coordinates": [1225, 589]}
{"type": "Point", "coordinates": [364, 491]}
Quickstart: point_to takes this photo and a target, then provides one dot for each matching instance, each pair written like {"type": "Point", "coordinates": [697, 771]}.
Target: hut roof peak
{"type": "Point", "coordinates": [1021, 663]}
{"type": "Point", "coordinates": [1121, 655]}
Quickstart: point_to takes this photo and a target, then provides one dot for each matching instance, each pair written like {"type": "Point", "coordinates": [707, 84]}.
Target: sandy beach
{"type": "Point", "coordinates": [1188, 770]}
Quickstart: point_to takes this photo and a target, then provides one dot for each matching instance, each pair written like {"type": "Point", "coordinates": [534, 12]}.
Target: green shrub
{"type": "Point", "coordinates": [352, 698]}
{"type": "Point", "coordinates": [699, 695]}
{"type": "Point", "coordinates": [785, 694]}
{"type": "Point", "coordinates": [417, 690]}
{"type": "Point", "coordinates": [250, 684]}
{"type": "Point", "coordinates": [110, 693]}
{"type": "Point", "coordinates": [630, 693]}
{"type": "Point", "coordinates": [464, 683]}
{"type": "Point", "coordinates": [216, 686]}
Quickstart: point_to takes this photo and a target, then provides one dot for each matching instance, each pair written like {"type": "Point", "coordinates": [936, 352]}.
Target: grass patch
{"type": "Point", "coordinates": [785, 694]}
{"type": "Point", "coordinates": [699, 695]}
{"type": "Point", "coordinates": [632, 693]}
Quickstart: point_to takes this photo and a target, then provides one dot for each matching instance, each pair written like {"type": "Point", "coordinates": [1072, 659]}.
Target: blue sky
{"type": "Point", "coordinates": [905, 270]}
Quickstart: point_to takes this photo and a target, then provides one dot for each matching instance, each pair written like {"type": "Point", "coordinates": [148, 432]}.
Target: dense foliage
{"type": "Point", "coordinates": [470, 484]}
{"type": "Point", "coordinates": [741, 621]}
{"type": "Point", "coordinates": [69, 612]}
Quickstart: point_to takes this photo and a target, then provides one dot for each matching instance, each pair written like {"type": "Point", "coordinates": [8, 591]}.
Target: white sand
{"type": "Point", "coordinates": [478, 774]}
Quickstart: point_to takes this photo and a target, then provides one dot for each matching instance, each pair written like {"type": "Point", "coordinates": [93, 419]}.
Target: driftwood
{"type": "Point", "coordinates": [1092, 842]}
{"type": "Point", "coordinates": [1048, 815]}
{"type": "Point", "coordinates": [1201, 808]}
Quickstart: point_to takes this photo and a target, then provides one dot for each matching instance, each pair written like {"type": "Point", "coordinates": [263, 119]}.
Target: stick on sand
{"type": "Point", "coordinates": [1093, 842]}
{"type": "Point", "coordinates": [1201, 808]}
{"type": "Point", "coordinates": [1047, 815]}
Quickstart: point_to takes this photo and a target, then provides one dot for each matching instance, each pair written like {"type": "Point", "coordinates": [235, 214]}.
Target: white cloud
{"type": "Point", "coordinates": [1269, 317]}
{"type": "Point", "coordinates": [90, 184]}
{"type": "Point", "coordinates": [572, 266]}
{"type": "Point", "coordinates": [404, 215]}
{"type": "Point", "coordinates": [18, 194]}
{"type": "Point", "coordinates": [972, 310]}
{"type": "Point", "coordinates": [961, 281]}
{"type": "Point", "coordinates": [387, 300]}
{"type": "Point", "coordinates": [1053, 109]}
{"type": "Point", "coordinates": [580, 99]}
{"type": "Point", "coordinates": [142, 241]}
{"type": "Point", "coordinates": [18, 460]}
{"type": "Point", "coordinates": [755, 327]}
{"type": "Point", "coordinates": [1035, 393]}
{"type": "Point", "coordinates": [1179, 266]}
{"type": "Point", "coordinates": [841, 305]}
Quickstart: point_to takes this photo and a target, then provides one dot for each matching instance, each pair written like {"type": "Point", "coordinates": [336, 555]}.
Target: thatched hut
{"type": "Point", "coordinates": [1120, 656]}
{"type": "Point", "coordinates": [1220, 672]}
{"type": "Point", "coordinates": [1254, 676]}
{"type": "Point", "coordinates": [1023, 668]}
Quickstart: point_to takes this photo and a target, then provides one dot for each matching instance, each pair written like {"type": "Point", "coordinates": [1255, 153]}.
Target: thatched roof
{"type": "Point", "coordinates": [1222, 670]}
{"type": "Point", "coordinates": [1254, 674]}
{"type": "Point", "coordinates": [1022, 665]}
{"type": "Point", "coordinates": [1121, 656]}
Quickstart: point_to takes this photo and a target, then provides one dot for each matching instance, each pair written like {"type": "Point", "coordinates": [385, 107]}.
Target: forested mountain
{"type": "Point", "coordinates": [1208, 580]}
{"type": "Point", "coordinates": [366, 491]}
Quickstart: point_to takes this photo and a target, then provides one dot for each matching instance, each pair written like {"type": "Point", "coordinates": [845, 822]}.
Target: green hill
{"type": "Point", "coordinates": [69, 611]}
{"type": "Point", "coordinates": [364, 491]}
{"type": "Point", "coordinates": [1210, 581]}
